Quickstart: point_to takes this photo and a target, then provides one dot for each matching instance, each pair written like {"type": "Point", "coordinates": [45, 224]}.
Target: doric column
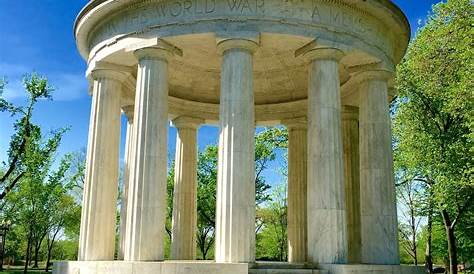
{"type": "Point", "coordinates": [97, 238]}
{"type": "Point", "coordinates": [379, 232]}
{"type": "Point", "coordinates": [350, 137]}
{"type": "Point", "coordinates": [146, 212]}
{"type": "Point", "coordinates": [128, 111]}
{"type": "Point", "coordinates": [183, 237]}
{"type": "Point", "coordinates": [297, 179]}
{"type": "Point", "coordinates": [235, 215]}
{"type": "Point", "coordinates": [327, 241]}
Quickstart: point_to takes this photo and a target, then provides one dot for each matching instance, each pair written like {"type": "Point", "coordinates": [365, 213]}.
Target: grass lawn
{"type": "Point", "coordinates": [19, 269]}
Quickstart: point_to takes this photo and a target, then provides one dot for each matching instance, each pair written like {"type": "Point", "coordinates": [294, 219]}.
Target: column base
{"type": "Point", "coordinates": [166, 267]}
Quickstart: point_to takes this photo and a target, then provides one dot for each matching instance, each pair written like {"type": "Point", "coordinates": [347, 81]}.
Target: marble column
{"type": "Point", "coordinates": [146, 211]}
{"type": "Point", "coordinates": [235, 215]}
{"type": "Point", "coordinates": [297, 180]}
{"type": "Point", "coordinates": [183, 237]}
{"type": "Point", "coordinates": [128, 111]}
{"type": "Point", "coordinates": [327, 241]}
{"type": "Point", "coordinates": [379, 234]}
{"type": "Point", "coordinates": [350, 137]}
{"type": "Point", "coordinates": [97, 236]}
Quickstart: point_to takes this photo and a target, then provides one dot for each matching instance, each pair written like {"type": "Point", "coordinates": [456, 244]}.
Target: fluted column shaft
{"type": "Point", "coordinates": [326, 206]}
{"type": "Point", "coordinates": [183, 239]}
{"type": "Point", "coordinates": [146, 212]}
{"type": "Point", "coordinates": [128, 110]}
{"type": "Point", "coordinates": [379, 232]}
{"type": "Point", "coordinates": [235, 215]}
{"type": "Point", "coordinates": [350, 133]}
{"type": "Point", "coordinates": [297, 180]}
{"type": "Point", "coordinates": [97, 236]}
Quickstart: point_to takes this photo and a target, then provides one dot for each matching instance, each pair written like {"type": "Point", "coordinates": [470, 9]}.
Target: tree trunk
{"type": "Point", "coordinates": [48, 260]}
{"type": "Point", "coordinates": [452, 249]}
{"type": "Point", "coordinates": [3, 250]}
{"type": "Point", "coordinates": [413, 232]}
{"type": "Point", "coordinates": [428, 251]}
{"type": "Point", "coordinates": [37, 248]}
{"type": "Point", "coordinates": [50, 248]}
{"type": "Point", "coordinates": [28, 252]}
{"type": "Point", "coordinates": [451, 238]}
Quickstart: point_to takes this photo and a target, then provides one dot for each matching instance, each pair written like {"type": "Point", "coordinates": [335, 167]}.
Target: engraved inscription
{"type": "Point", "coordinates": [338, 17]}
{"type": "Point", "coordinates": [185, 7]}
{"type": "Point", "coordinates": [343, 19]}
{"type": "Point", "coordinates": [243, 6]}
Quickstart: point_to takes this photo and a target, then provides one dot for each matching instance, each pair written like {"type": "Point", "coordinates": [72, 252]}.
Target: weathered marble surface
{"type": "Point", "coordinates": [97, 237]}
{"type": "Point", "coordinates": [168, 267]}
{"type": "Point", "coordinates": [350, 137]}
{"type": "Point", "coordinates": [327, 229]}
{"type": "Point", "coordinates": [372, 269]}
{"type": "Point", "coordinates": [146, 211]}
{"type": "Point", "coordinates": [128, 110]}
{"type": "Point", "coordinates": [235, 214]}
{"type": "Point", "coordinates": [369, 32]}
{"type": "Point", "coordinates": [237, 90]}
{"type": "Point", "coordinates": [297, 189]}
{"type": "Point", "coordinates": [379, 230]}
{"type": "Point", "coordinates": [183, 228]}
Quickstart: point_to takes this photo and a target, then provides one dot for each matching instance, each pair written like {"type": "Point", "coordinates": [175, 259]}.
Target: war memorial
{"type": "Point", "coordinates": [322, 68]}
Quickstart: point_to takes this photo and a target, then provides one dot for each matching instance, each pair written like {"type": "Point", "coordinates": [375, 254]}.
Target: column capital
{"type": "Point", "coordinates": [376, 74]}
{"type": "Point", "coordinates": [155, 48]}
{"type": "Point", "coordinates": [105, 73]}
{"type": "Point", "coordinates": [237, 43]}
{"type": "Point", "coordinates": [324, 54]}
{"type": "Point", "coordinates": [313, 51]}
{"type": "Point", "coordinates": [350, 113]}
{"type": "Point", "coordinates": [296, 123]}
{"type": "Point", "coordinates": [187, 122]}
{"type": "Point", "coordinates": [129, 111]}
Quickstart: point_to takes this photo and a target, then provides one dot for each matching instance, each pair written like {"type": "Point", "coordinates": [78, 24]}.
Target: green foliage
{"type": "Point", "coordinates": [272, 239]}
{"type": "Point", "coordinates": [266, 143]}
{"type": "Point", "coordinates": [433, 122]}
{"type": "Point", "coordinates": [34, 187]}
{"type": "Point", "coordinates": [28, 152]}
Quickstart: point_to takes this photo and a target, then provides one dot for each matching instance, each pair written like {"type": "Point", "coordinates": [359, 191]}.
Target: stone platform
{"type": "Point", "coordinates": [166, 267]}
{"type": "Point", "coordinates": [209, 267]}
{"type": "Point", "coordinates": [372, 269]}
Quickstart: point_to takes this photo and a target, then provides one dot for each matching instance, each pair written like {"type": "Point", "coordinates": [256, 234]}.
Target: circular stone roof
{"type": "Point", "coordinates": [372, 33]}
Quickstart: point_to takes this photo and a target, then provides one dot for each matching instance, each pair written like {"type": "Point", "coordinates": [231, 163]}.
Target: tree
{"type": "Point", "coordinates": [272, 237]}
{"type": "Point", "coordinates": [26, 141]}
{"type": "Point", "coordinates": [410, 195]}
{"type": "Point", "coordinates": [207, 182]}
{"type": "Point", "coordinates": [434, 113]}
{"type": "Point", "coordinates": [66, 217]}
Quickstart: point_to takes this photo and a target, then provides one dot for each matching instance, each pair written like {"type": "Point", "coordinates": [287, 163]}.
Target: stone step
{"type": "Point", "coordinates": [286, 271]}
{"type": "Point", "coordinates": [280, 265]}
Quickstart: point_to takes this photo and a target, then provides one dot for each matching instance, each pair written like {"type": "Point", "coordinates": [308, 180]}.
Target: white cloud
{"type": "Point", "coordinates": [67, 86]}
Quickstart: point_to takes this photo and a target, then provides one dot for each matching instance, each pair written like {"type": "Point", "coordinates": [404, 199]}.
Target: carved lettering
{"type": "Point", "coordinates": [210, 6]}
{"type": "Point", "coordinates": [319, 13]}
{"type": "Point", "coordinates": [334, 16]}
{"type": "Point", "coordinates": [233, 4]}
{"type": "Point", "coordinates": [316, 16]}
{"type": "Point", "coordinates": [260, 6]}
{"type": "Point", "coordinates": [187, 4]}
{"type": "Point", "coordinates": [176, 9]}
{"type": "Point", "coordinates": [246, 6]}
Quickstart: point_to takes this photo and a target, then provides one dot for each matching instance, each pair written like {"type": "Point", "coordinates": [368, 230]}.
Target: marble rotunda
{"type": "Point", "coordinates": [322, 68]}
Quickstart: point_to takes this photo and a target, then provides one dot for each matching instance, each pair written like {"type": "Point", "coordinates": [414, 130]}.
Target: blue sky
{"type": "Point", "coordinates": [36, 35]}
